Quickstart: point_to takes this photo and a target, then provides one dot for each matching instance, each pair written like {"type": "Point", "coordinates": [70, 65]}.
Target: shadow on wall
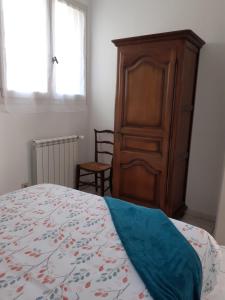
{"type": "Point", "coordinates": [208, 147]}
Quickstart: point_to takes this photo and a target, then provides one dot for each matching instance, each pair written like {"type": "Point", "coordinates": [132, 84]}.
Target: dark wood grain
{"type": "Point", "coordinates": [156, 82]}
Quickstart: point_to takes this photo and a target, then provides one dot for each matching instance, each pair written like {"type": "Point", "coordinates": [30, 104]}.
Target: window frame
{"type": "Point", "coordinates": [50, 97]}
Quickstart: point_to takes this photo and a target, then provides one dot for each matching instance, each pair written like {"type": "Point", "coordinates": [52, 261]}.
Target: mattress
{"type": "Point", "coordinates": [59, 243]}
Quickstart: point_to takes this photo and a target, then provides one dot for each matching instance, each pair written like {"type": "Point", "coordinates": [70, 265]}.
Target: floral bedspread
{"type": "Point", "coordinates": [59, 243]}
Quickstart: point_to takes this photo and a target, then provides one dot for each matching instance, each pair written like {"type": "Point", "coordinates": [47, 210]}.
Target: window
{"type": "Point", "coordinates": [44, 48]}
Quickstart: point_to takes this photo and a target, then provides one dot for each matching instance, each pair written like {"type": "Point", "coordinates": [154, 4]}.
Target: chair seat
{"type": "Point", "coordinates": [95, 166]}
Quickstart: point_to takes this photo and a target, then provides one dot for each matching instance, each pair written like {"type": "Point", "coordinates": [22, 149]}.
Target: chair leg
{"type": "Point", "coordinates": [96, 182]}
{"type": "Point", "coordinates": [77, 177]}
{"type": "Point", "coordinates": [102, 183]}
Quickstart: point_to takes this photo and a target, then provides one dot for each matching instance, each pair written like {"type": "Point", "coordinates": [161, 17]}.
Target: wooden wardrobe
{"type": "Point", "coordinates": [156, 82]}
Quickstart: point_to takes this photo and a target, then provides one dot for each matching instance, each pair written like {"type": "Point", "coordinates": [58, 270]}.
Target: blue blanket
{"type": "Point", "coordinates": [166, 262]}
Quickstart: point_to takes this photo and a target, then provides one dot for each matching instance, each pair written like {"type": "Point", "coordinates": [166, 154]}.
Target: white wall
{"type": "Point", "coordinates": [16, 133]}
{"type": "Point", "coordinates": [124, 18]}
{"type": "Point", "coordinates": [220, 224]}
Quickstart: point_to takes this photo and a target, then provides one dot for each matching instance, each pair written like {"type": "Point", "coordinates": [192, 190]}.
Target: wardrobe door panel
{"type": "Point", "coordinates": [144, 94]}
{"type": "Point", "coordinates": [143, 125]}
{"type": "Point", "coordinates": [150, 145]}
{"type": "Point", "coordinates": [139, 182]}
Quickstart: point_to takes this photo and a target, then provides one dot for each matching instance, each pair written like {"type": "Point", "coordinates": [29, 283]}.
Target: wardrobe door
{"type": "Point", "coordinates": [144, 102]}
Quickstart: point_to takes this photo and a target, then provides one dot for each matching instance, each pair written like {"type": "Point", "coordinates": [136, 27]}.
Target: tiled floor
{"type": "Point", "coordinates": [206, 224]}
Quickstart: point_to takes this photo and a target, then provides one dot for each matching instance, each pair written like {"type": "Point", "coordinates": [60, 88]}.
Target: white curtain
{"type": "Point", "coordinates": [26, 46]}
{"type": "Point", "coordinates": [69, 48]}
{"type": "Point", "coordinates": [31, 33]}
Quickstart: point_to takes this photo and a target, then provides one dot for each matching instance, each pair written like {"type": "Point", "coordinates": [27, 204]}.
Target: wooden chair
{"type": "Point", "coordinates": [97, 168]}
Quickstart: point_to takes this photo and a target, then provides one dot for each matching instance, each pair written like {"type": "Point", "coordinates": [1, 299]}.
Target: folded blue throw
{"type": "Point", "coordinates": [164, 259]}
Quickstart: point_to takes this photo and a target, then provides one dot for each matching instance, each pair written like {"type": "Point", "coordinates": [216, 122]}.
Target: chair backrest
{"type": "Point", "coordinates": [103, 138]}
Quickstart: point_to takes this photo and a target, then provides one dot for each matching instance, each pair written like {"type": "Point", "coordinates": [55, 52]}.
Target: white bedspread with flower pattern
{"type": "Point", "coordinates": [59, 243]}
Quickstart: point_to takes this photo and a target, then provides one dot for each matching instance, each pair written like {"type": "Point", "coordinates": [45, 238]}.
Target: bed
{"type": "Point", "coordinates": [60, 243]}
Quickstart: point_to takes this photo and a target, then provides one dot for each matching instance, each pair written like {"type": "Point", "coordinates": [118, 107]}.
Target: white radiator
{"type": "Point", "coordinates": [54, 160]}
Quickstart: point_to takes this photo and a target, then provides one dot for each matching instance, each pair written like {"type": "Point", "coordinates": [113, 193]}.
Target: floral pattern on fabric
{"type": "Point", "coordinates": [59, 243]}
{"type": "Point", "coordinates": [208, 251]}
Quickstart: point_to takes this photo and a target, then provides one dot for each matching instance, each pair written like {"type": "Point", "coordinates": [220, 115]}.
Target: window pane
{"type": "Point", "coordinates": [26, 42]}
{"type": "Point", "coordinates": [69, 49]}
